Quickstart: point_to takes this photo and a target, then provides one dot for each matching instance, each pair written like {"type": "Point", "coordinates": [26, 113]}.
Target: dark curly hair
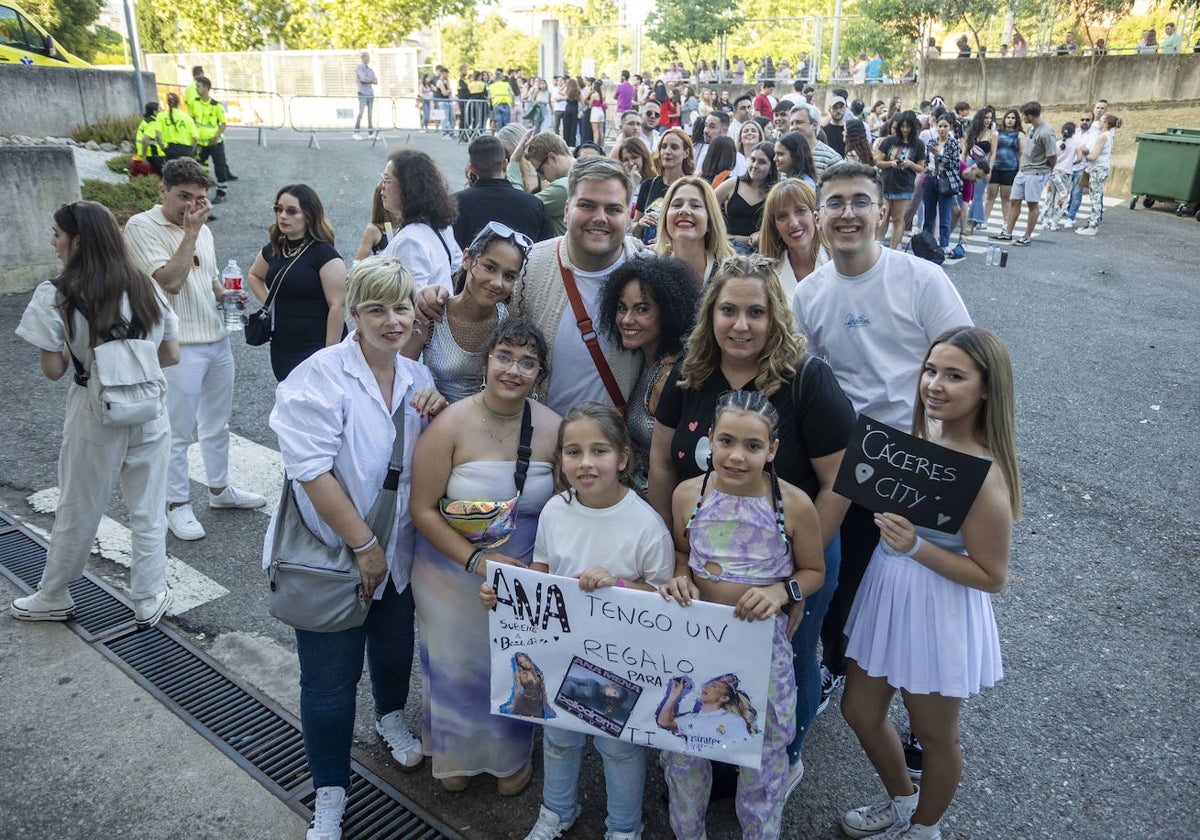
{"type": "Point", "coordinates": [424, 196]}
{"type": "Point", "coordinates": [669, 283]}
{"type": "Point", "coordinates": [517, 332]}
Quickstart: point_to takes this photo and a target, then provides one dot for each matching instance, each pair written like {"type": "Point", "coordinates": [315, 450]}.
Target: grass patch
{"type": "Point", "coordinates": [120, 163]}
{"type": "Point", "coordinates": [126, 199]}
{"type": "Point", "coordinates": [108, 129]}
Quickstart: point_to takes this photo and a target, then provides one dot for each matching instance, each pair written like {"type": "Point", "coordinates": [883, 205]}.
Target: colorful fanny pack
{"type": "Point", "coordinates": [488, 524]}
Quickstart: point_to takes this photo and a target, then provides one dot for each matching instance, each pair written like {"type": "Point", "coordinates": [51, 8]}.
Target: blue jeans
{"type": "Point", "coordinates": [1076, 195]}
{"type": "Point", "coordinates": [976, 212]}
{"type": "Point", "coordinates": [330, 668]}
{"type": "Point", "coordinates": [624, 776]}
{"type": "Point", "coordinates": [366, 101]}
{"type": "Point", "coordinates": [940, 209]}
{"type": "Point", "coordinates": [447, 107]}
{"type": "Point", "coordinates": [804, 646]}
{"type": "Point", "coordinates": [502, 114]}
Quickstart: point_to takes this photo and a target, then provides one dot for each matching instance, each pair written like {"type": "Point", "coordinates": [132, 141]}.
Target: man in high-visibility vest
{"type": "Point", "coordinates": [209, 117]}
{"type": "Point", "coordinates": [190, 93]}
{"type": "Point", "coordinates": [500, 95]}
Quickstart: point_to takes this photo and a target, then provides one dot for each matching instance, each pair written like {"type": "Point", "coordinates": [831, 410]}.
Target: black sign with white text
{"type": "Point", "coordinates": [889, 471]}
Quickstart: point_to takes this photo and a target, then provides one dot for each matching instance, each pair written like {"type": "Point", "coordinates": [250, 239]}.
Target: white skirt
{"type": "Point", "coordinates": [921, 631]}
{"type": "Point", "coordinates": [597, 114]}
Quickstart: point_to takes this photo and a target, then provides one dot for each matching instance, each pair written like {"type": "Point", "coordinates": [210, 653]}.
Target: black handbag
{"type": "Point", "coordinates": [945, 185]}
{"type": "Point", "coordinates": [259, 328]}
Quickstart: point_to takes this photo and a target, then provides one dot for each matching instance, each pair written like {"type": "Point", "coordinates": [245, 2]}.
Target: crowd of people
{"type": "Point", "coordinates": [617, 351]}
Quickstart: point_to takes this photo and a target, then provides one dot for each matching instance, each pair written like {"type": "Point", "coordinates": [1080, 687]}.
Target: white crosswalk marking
{"type": "Point", "coordinates": [189, 587]}
{"type": "Point", "coordinates": [252, 467]}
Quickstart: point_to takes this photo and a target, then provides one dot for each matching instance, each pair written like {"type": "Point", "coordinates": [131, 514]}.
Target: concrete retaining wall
{"type": "Point", "coordinates": [41, 101]}
{"type": "Point", "coordinates": [34, 182]}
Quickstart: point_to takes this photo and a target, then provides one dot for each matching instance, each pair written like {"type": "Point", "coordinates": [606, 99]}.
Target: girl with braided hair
{"type": "Point", "coordinates": [751, 542]}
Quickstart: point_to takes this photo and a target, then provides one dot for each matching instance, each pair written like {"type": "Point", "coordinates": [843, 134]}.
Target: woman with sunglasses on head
{"type": "Point", "coordinates": [100, 294]}
{"type": "Point", "coordinates": [470, 509]}
{"type": "Point", "coordinates": [304, 277]}
{"type": "Point", "coordinates": [491, 265]}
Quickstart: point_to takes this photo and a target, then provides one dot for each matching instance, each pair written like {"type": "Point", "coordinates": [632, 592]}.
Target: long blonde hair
{"type": "Point", "coordinates": [783, 349]}
{"type": "Point", "coordinates": [716, 238]}
{"type": "Point", "coordinates": [995, 425]}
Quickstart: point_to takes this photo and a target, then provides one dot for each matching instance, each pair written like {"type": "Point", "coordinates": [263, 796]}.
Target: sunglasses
{"type": "Point", "coordinates": [499, 230]}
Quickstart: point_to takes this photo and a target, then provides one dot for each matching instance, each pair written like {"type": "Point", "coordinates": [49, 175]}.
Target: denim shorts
{"type": "Point", "coordinates": [904, 196]}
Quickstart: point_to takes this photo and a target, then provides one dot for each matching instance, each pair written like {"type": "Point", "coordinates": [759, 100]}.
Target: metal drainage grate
{"type": "Point", "coordinates": [99, 611]}
{"type": "Point", "coordinates": [246, 725]}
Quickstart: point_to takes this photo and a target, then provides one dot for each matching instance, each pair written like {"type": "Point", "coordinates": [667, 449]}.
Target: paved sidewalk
{"type": "Point", "coordinates": [85, 752]}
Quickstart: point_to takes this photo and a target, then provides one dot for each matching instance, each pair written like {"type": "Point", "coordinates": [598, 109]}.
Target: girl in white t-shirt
{"type": "Point", "coordinates": [602, 533]}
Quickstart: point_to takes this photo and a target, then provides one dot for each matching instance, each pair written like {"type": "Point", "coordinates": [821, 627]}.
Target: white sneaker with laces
{"type": "Point", "coordinates": [405, 747]}
{"type": "Point", "coordinates": [549, 826]}
{"type": "Point", "coordinates": [912, 831]}
{"type": "Point", "coordinates": [794, 777]}
{"type": "Point", "coordinates": [231, 497]}
{"type": "Point", "coordinates": [148, 611]}
{"type": "Point", "coordinates": [40, 607]}
{"type": "Point", "coordinates": [1068, 223]}
{"type": "Point", "coordinates": [327, 814]}
{"type": "Point", "coordinates": [875, 819]}
{"type": "Point", "coordinates": [184, 524]}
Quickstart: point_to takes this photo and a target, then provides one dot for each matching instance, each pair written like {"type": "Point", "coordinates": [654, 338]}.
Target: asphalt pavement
{"type": "Point", "coordinates": [1091, 734]}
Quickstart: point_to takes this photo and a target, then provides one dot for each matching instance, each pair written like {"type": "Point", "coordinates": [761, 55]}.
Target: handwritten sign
{"type": "Point", "coordinates": [887, 470]}
{"type": "Point", "coordinates": [623, 663]}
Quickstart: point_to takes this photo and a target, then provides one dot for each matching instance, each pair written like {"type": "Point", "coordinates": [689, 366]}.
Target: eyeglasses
{"type": "Point", "coordinates": [858, 206]}
{"type": "Point", "coordinates": [499, 230]}
{"type": "Point", "coordinates": [386, 178]}
{"type": "Point", "coordinates": [525, 367]}
{"type": "Point", "coordinates": [653, 113]}
{"type": "Point", "coordinates": [286, 211]}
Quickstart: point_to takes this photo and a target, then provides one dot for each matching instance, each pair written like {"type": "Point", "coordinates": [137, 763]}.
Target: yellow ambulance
{"type": "Point", "coordinates": [24, 42]}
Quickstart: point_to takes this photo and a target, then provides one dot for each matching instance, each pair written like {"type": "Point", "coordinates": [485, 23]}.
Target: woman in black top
{"type": "Point", "coordinates": [308, 309]}
{"type": "Point", "coordinates": [745, 338]}
{"type": "Point", "coordinates": [900, 157]}
{"type": "Point", "coordinates": [742, 199]}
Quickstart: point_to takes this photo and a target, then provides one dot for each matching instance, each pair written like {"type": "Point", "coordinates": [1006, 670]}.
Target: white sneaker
{"type": "Point", "coordinates": [623, 835]}
{"type": "Point", "coordinates": [327, 814]}
{"type": "Point", "coordinates": [39, 607]}
{"type": "Point", "coordinates": [356, 136]}
{"type": "Point", "coordinates": [794, 777]}
{"type": "Point", "coordinates": [1087, 231]}
{"type": "Point", "coordinates": [911, 831]}
{"type": "Point", "coordinates": [148, 611]}
{"type": "Point", "coordinates": [231, 497]}
{"type": "Point", "coordinates": [882, 816]}
{"type": "Point", "coordinates": [1068, 223]}
{"type": "Point", "coordinates": [405, 747]}
{"type": "Point", "coordinates": [549, 826]}
{"type": "Point", "coordinates": [184, 524]}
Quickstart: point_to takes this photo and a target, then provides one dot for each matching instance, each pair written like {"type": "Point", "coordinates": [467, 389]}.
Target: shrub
{"type": "Point", "coordinates": [120, 163]}
{"type": "Point", "coordinates": [108, 129]}
{"type": "Point", "coordinates": [126, 199]}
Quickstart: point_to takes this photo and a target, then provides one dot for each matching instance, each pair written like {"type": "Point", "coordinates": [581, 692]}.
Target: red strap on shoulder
{"type": "Point", "coordinates": [588, 333]}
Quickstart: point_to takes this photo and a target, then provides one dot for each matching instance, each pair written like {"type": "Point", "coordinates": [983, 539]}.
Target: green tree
{"type": "Point", "coordinates": [69, 21]}
{"type": "Point", "coordinates": [691, 25]}
{"type": "Point", "coordinates": [487, 44]}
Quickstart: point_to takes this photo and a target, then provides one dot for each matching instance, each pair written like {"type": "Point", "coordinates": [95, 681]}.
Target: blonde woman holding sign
{"type": "Point", "coordinates": [922, 620]}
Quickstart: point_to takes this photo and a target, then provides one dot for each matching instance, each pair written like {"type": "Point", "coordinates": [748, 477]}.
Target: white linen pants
{"type": "Point", "coordinates": [199, 402]}
{"type": "Point", "coordinates": [92, 459]}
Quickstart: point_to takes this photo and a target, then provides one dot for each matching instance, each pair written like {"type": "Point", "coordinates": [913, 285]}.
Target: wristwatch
{"type": "Point", "coordinates": [794, 593]}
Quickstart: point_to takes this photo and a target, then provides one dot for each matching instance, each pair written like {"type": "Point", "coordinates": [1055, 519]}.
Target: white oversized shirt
{"type": "Point", "coordinates": [42, 324]}
{"type": "Point", "coordinates": [329, 415]}
{"type": "Point", "coordinates": [874, 329]}
{"type": "Point", "coordinates": [423, 251]}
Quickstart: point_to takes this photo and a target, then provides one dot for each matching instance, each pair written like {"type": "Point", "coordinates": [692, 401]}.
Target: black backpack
{"type": "Point", "coordinates": [925, 245]}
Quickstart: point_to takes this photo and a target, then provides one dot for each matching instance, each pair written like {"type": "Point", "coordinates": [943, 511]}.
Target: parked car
{"type": "Point", "coordinates": [24, 42]}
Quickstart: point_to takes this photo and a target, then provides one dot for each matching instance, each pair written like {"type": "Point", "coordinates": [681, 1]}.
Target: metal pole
{"type": "Point", "coordinates": [135, 51]}
{"type": "Point", "coordinates": [837, 34]}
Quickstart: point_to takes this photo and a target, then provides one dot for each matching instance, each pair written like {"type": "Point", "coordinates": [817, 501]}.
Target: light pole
{"type": "Point", "coordinates": [135, 50]}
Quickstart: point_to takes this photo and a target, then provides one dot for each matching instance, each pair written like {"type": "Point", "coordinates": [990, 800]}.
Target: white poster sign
{"type": "Point", "coordinates": [626, 664]}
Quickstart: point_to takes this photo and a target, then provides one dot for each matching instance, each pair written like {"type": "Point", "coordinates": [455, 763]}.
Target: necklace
{"type": "Point", "coordinates": [288, 253]}
{"type": "Point", "coordinates": [487, 426]}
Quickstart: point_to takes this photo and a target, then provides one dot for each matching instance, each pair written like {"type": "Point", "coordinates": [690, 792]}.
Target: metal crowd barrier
{"type": "Point", "coordinates": [261, 109]}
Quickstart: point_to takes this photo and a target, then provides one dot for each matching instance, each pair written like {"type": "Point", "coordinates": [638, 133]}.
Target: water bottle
{"type": "Point", "coordinates": [232, 280]}
{"type": "Point", "coordinates": [988, 256]}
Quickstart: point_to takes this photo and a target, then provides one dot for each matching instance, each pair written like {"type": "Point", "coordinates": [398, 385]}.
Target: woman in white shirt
{"type": "Point", "coordinates": [1098, 157]}
{"type": "Point", "coordinates": [334, 420]}
{"type": "Point", "coordinates": [100, 295]}
{"type": "Point", "coordinates": [413, 187]}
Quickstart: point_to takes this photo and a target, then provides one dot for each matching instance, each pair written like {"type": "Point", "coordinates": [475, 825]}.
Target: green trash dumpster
{"type": "Point", "coordinates": [1168, 169]}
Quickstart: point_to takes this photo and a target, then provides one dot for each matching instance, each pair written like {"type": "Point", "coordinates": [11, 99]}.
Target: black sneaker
{"type": "Point", "coordinates": [1002, 236]}
{"type": "Point", "coordinates": [232, 177]}
{"type": "Point", "coordinates": [829, 683]}
{"type": "Point", "coordinates": [913, 756]}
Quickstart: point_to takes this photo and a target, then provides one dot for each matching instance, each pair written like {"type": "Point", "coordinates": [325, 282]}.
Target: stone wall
{"type": "Point", "coordinates": [34, 182]}
{"type": "Point", "coordinates": [40, 101]}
